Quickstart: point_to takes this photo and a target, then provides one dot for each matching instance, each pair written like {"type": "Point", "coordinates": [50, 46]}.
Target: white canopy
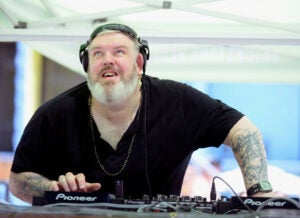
{"type": "Point", "coordinates": [190, 40]}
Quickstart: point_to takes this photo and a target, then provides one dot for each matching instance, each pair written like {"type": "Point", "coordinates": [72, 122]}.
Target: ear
{"type": "Point", "coordinates": [140, 63]}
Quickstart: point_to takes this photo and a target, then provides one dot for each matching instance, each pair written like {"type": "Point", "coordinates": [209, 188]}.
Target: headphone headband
{"type": "Point", "coordinates": [144, 49]}
{"type": "Point", "coordinates": [117, 27]}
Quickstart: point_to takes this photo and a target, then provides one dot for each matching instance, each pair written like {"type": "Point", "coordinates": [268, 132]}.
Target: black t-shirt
{"type": "Point", "coordinates": [175, 118]}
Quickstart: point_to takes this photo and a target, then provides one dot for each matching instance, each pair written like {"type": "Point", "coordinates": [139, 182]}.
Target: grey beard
{"type": "Point", "coordinates": [115, 94]}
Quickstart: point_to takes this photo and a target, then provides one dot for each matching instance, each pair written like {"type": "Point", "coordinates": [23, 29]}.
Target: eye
{"type": "Point", "coordinates": [96, 53]}
{"type": "Point", "coordinates": [120, 52]}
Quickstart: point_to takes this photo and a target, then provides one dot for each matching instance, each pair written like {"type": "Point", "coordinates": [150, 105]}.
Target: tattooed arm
{"type": "Point", "coordinates": [248, 148]}
{"type": "Point", "coordinates": [26, 185]}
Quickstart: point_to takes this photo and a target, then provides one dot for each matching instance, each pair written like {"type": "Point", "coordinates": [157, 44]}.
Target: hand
{"type": "Point", "coordinates": [76, 183]}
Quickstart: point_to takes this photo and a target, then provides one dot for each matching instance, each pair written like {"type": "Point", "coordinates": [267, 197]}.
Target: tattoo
{"type": "Point", "coordinates": [32, 185]}
{"type": "Point", "coordinates": [248, 147]}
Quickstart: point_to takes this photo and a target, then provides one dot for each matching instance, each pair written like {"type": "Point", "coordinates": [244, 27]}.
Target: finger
{"type": "Point", "coordinates": [63, 183]}
{"type": "Point", "coordinates": [91, 187]}
{"type": "Point", "coordinates": [81, 183]}
{"type": "Point", "coordinates": [54, 186]}
{"type": "Point", "coordinates": [71, 180]}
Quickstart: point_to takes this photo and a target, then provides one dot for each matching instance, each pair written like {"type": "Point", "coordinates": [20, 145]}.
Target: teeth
{"type": "Point", "coordinates": [108, 74]}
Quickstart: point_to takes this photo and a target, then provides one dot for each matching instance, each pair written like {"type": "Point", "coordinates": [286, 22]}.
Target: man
{"type": "Point", "coordinates": [123, 125]}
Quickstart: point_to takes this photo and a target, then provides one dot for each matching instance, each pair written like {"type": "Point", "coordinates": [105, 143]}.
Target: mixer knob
{"type": "Point", "coordinates": [174, 198]}
{"type": "Point", "coordinates": [162, 197]}
{"type": "Point", "coordinates": [186, 198]}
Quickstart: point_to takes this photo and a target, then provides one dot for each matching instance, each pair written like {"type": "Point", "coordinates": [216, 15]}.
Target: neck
{"type": "Point", "coordinates": [118, 112]}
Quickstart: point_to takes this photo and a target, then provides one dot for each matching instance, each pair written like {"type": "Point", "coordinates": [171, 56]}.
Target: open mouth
{"type": "Point", "coordinates": [109, 74]}
{"type": "Point", "coordinates": [108, 71]}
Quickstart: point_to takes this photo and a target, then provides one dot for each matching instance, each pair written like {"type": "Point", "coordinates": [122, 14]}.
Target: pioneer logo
{"type": "Point", "coordinates": [65, 197]}
{"type": "Point", "coordinates": [251, 202]}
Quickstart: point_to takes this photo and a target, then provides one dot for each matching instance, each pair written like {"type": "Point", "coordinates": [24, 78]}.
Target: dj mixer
{"type": "Point", "coordinates": [163, 203]}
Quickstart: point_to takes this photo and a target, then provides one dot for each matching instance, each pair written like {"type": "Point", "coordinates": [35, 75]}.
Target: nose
{"type": "Point", "coordinates": [108, 59]}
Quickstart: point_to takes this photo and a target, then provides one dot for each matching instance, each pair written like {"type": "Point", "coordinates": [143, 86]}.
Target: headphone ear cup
{"type": "Point", "coordinates": [85, 61]}
{"type": "Point", "coordinates": [83, 56]}
{"type": "Point", "coordinates": [144, 50]}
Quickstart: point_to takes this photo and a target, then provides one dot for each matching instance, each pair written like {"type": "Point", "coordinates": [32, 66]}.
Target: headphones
{"type": "Point", "coordinates": [144, 49]}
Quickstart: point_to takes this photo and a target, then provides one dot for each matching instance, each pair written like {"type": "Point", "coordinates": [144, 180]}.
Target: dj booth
{"type": "Point", "coordinates": [89, 205]}
{"type": "Point", "coordinates": [92, 212]}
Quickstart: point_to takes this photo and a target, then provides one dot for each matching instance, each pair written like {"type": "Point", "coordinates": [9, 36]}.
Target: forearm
{"type": "Point", "coordinates": [26, 185]}
{"type": "Point", "coordinates": [248, 148]}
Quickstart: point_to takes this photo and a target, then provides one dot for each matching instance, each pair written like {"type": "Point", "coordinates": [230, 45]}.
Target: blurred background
{"type": "Point", "coordinates": [243, 52]}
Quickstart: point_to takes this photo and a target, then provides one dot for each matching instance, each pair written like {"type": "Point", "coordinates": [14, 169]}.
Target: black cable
{"type": "Point", "coordinates": [145, 134]}
{"type": "Point", "coordinates": [238, 197]}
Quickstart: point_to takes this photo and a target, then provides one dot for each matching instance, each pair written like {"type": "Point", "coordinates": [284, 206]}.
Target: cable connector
{"type": "Point", "coordinates": [213, 194]}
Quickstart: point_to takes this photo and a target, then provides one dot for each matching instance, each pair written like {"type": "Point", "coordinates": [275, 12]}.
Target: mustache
{"type": "Point", "coordinates": [107, 68]}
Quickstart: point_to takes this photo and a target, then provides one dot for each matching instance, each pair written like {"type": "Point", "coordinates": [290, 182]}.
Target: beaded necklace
{"type": "Point", "coordinates": [95, 147]}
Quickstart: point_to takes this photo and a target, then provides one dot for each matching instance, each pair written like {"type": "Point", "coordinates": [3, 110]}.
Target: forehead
{"type": "Point", "coordinates": [112, 38]}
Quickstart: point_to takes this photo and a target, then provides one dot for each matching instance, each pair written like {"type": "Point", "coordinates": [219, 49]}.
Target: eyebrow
{"type": "Point", "coordinates": [114, 47]}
